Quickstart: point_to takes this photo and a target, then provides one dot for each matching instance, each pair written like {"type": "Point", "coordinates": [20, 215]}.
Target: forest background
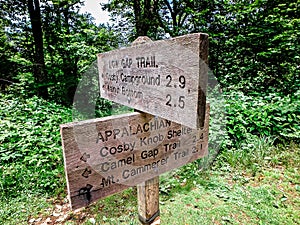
{"type": "Point", "coordinates": [47, 46]}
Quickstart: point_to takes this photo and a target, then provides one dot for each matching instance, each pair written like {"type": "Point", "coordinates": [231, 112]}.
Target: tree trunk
{"type": "Point", "coordinates": [139, 20]}
{"type": "Point", "coordinates": [145, 14]}
{"type": "Point", "coordinates": [39, 61]}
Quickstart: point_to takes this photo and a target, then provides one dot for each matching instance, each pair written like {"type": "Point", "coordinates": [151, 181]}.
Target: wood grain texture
{"type": "Point", "coordinates": [164, 78]}
{"type": "Point", "coordinates": [148, 200]}
{"type": "Point", "coordinates": [107, 155]}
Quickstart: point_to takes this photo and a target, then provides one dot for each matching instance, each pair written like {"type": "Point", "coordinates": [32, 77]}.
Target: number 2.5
{"type": "Point", "coordinates": [180, 102]}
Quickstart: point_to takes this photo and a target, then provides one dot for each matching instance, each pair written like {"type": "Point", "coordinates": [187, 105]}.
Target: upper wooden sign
{"type": "Point", "coordinates": [106, 155]}
{"type": "Point", "coordinates": [165, 78]}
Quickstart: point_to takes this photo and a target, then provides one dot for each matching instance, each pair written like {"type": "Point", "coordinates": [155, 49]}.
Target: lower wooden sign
{"type": "Point", "coordinates": [107, 155]}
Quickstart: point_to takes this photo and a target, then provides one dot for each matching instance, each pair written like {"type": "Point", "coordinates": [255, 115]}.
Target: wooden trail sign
{"type": "Point", "coordinates": [107, 155]}
{"type": "Point", "coordinates": [164, 78]}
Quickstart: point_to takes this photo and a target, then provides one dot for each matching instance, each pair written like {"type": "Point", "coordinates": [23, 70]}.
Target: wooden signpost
{"type": "Point", "coordinates": [164, 78]}
{"type": "Point", "coordinates": [107, 155]}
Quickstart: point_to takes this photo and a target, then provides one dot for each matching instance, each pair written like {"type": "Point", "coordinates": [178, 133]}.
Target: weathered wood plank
{"type": "Point", "coordinates": [164, 78]}
{"type": "Point", "coordinates": [106, 155]}
{"type": "Point", "coordinates": [148, 200]}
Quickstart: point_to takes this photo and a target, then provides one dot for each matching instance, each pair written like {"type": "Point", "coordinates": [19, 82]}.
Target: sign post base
{"type": "Point", "coordinates": [148, 201]}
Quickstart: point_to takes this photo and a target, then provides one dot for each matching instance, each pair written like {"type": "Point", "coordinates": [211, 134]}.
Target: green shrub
{"type": "Point", "coordinates": [30, 144]}
{"type": "Point", "coordinates": [269, 115]}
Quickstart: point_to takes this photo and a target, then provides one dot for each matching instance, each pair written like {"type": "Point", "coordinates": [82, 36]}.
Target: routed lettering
{"type": "Point", "coordinates": [105, 151]}
{"type": "Point", "coordinates": [104, 136]}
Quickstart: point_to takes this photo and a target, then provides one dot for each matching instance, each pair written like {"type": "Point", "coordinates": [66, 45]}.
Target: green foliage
{"type": "Point", "coordinates": [257, 48]}
{"type": "Point", "coordinates": [252, 153]}
{"type": "Point", "coordinates": [270, 115]}
{"type": "Point", "coordinates": [18, 210]}
{"type": "Point", "coordinates": [71, 42]}
{"type": "Point", "coordinates": [30, 145]}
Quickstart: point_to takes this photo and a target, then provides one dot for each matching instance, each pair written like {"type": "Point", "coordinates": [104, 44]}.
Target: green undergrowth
{"type": "Point", "coordinates": [263, 116]}
{"type": "Point", "coordinates": [30, 146]}
{"type": "Point", "coordinates": [239, 193]}
{"type": "Point", "coordinates": [254, 179]}
{"type": "Point", "coordinates": [19, 209]}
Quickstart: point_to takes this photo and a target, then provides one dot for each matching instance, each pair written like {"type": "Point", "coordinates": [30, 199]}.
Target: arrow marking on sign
{"type": "Point", "coordinates": [85, 157]}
